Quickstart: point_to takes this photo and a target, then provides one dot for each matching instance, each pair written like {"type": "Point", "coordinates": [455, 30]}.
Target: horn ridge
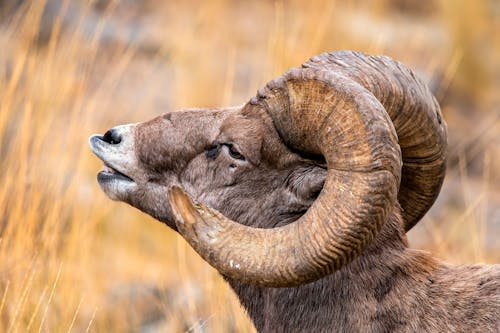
{"type": "Point", "coordinates": [417, 119]}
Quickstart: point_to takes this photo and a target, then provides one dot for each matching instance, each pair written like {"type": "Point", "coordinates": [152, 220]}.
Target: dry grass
{"type": "Point", "coordinates": [71, 260]}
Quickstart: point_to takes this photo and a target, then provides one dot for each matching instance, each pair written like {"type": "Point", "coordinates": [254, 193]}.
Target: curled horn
{"type": "Point", "coordinates": [317, 112]}
{"type": "Point", "coordinates": [417, 119]}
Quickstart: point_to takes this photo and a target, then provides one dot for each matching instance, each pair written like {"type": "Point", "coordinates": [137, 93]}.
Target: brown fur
{"type": "Point", "coordinates": [388, 288]}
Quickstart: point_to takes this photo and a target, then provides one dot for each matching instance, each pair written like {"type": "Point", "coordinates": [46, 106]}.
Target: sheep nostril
{"type": "Point", "coordinates": [112, 137]}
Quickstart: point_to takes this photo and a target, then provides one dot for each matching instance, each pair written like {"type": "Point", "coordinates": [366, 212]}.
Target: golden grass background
{"type": "Point", "coordinates": [71, 260]}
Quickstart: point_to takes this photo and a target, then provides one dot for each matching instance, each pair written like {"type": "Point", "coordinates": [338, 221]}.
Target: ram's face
{"type": "Point", "coordinates": [228, 159]}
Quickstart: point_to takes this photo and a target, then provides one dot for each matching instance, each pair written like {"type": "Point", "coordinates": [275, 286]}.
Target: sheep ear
{"type": "Point", "coordinates": [306, 182]}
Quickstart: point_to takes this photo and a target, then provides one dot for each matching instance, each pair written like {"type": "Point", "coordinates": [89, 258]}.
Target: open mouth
{"type": "Point", "coordinates": [108, 152]}
{"type": "Point", "coordinates": [108, 173]}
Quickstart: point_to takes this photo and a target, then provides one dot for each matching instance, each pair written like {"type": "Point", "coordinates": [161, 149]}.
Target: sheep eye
{"type": "Point", "coordinates": [212, 152]}
{"type": "Point", "coordinates": [235, 153]}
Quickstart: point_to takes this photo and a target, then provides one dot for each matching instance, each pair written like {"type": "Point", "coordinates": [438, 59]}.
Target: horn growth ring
{"type": "Point", "coordinates": [323, 113]}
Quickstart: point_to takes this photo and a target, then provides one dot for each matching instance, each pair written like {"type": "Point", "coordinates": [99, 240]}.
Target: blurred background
{"type": "Point", "coordinates": [71, 260]}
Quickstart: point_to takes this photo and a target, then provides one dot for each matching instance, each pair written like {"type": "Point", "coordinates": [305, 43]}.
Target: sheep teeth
{"type": "Point", "coordinates": [108, 169]}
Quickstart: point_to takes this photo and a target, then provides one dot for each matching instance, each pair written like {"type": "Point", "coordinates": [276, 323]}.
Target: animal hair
{"type": "Point", "coordinates": [303, 197]}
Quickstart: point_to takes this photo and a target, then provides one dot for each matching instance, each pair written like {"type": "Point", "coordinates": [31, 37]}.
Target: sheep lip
{"type": "Point", "coordinates": [109, 173]}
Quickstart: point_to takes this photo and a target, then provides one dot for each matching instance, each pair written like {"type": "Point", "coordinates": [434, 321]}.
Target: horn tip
{"type": "Point", "coordinates": [182, 206]}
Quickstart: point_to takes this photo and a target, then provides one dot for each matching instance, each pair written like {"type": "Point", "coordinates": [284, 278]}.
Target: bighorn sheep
{"type": "Point", "coordinates": [323, 171]}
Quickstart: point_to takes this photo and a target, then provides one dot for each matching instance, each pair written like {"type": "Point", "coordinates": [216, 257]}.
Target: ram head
{"type": "Point", "coordinates": [294, 184]}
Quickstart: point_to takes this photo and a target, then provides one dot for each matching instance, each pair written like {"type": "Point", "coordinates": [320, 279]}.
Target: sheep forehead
{"type": "Point", "coordinates": [180, 135]}
{"type": "Point", "coordinates": [172, 138]}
